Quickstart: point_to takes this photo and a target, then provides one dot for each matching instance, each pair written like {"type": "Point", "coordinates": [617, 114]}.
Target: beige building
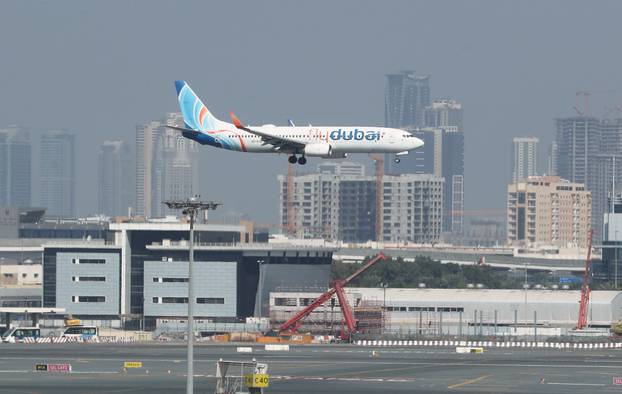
{"type": "Point", "coordinates": [20, 274]}
{"type": "Point", "coordinates": [548, 210]}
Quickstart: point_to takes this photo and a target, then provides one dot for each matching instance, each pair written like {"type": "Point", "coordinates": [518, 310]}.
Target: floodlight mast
{"type": "Point", "coordinates": [191, 207]}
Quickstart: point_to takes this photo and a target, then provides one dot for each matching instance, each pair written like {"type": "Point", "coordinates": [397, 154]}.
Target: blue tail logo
{"type": "Point", "coordinates": [195, 113]}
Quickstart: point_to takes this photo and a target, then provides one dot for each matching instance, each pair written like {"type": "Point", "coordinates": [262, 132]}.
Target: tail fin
{"type": "Point", "coordinates": [195, 113]}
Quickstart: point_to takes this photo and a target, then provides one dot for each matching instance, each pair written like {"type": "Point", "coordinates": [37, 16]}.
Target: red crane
{"type": "Point", "coordinates": [585, 287]}
{"type": "Point", "coordinates": [295, 322]}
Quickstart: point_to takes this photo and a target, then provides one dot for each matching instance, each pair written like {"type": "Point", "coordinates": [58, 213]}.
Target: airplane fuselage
{"type": "Point", "coordinates": [340, 140]}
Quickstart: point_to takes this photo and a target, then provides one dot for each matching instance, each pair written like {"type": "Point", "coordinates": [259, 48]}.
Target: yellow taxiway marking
{"type": "Point", "coordinates": [470, 381]}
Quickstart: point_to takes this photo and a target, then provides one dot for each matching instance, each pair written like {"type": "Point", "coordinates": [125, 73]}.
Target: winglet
{"type": "Point", "coordinates": [236, 121]}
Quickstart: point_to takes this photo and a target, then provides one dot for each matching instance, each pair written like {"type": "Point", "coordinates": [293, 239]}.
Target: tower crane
{"type": "Point", "coordinates": [585, 287]}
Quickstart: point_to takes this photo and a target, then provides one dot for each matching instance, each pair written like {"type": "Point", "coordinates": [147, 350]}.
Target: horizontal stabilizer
{"type": "Point", "coordinates": [183, 129]}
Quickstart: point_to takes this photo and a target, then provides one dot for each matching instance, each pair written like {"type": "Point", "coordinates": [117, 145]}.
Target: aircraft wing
{"type": "Point", "coordinates": [278, 142]}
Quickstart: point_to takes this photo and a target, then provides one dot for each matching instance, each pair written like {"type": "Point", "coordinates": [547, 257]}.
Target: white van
{"type": "Point", "coordinates": [18, 334]}
{"type": "Point", "coordinates": [83, 332]}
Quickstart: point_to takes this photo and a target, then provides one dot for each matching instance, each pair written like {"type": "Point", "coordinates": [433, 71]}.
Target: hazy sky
{"type": "Point", "coordinates": [100, 68]}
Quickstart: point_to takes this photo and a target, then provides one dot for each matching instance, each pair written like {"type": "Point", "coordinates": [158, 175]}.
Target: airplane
{"type": "Point", "coordinates": [298, 142]}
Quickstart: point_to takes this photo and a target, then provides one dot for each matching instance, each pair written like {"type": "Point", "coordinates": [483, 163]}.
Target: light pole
{"type": "Point", "coordinates": [190, 208]}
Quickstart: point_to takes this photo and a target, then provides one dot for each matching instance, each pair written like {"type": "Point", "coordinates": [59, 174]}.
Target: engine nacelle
{"type": "Point", "coordinates": [318, 150]}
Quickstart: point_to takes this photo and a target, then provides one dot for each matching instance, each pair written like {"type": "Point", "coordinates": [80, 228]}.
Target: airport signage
{"type": "Point", "coordinates": [53, 367]}
{"type": "Point", "coordinates": [133, 364]}
{"type": "Point", "coordinates": [256, 380]}
{"type": "Point", "coordinates": [617, 380]}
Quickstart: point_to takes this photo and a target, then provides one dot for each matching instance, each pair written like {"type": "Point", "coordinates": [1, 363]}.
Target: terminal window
{"type": "Point", "coordinates": [88, 299]}
{"type": "Point", "coordinates": [285, 302]}
{"type": "Point", "coordinates": [88, 278]}
{"type": "Point", "coordinates": [174, 300]}
{"type": "Point", "coordinates": [210, 300]}
{"type": "Point", "coordinates": [88, 261]}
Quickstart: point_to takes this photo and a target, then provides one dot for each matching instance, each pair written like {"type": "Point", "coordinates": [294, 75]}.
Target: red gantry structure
{"type": "Point", "coordinates": [585, 287]}
{"type": "Point", "coordinates": [295, 322]}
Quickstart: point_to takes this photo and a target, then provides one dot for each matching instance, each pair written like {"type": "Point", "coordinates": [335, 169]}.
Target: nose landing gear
{"type": "Point", "coordinates": [397, 160]}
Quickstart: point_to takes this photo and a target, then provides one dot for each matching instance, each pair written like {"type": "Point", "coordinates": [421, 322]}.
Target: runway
{"type": "Point", "coordinates": [97, 369]}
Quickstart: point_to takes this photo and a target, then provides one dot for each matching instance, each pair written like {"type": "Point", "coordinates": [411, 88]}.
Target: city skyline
{"type": "Point", "coordinates": [494, 100]}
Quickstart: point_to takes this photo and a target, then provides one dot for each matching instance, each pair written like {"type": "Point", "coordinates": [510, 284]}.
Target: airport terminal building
{"type": "Point", "coordinates": [140, 273]}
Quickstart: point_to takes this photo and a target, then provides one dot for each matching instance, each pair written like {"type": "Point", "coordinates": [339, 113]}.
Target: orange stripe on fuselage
{"type": "Point", "coordinates": [242, 143]}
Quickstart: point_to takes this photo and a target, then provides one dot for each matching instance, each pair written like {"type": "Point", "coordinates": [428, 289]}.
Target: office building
{"type": "Point", "coordinates": [140, 274]}
{"type": "Point", "coordinates": [175, 167]}
{"type": "Point", "coordinates": [146, 136]}
{"type": "Point", "coordinates": [586, 150]}
{"type": "Point", "coordinates": [58, 166]}
{"type": "Point", "coordinates": [444, 113]}
{"type": "Point", "coordinates": [524, 158]}
{"type": "Point", "coordinates": [551, 162]}
{"type": "Point", "coordinates": [166, 166]}
{"type": "Point", "coordinates": [548, 210]}
{"type": "Point", "coordinates": [406, 97]}
{"type": "Point", "coordinates": [15, 167]}
{"type": "Point", "coordinates": [610, 268]}
{"type": "Point", "coordinates": [116, 180]}
{"type": "Point", "coordinates": [335, 206]}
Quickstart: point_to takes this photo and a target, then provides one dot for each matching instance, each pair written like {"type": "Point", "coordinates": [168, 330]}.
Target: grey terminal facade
{"type": "Point", "coordinates": [139, 274]}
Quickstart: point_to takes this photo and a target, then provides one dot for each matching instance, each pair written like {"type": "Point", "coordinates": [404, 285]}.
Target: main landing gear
{"type": "Point", "coordinates": [301, 160]}
{"type": "Point", "coordinates": [397, 159]}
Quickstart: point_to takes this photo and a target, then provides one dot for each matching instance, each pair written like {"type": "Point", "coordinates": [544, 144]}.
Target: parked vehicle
{"type": "Point", "coordinates": [83, 332]}
{"type": "Point", "coordinates": [18, 334]}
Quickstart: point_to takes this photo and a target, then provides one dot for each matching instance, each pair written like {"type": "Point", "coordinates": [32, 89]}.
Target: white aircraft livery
{"type": "Point", "coordinates": [312, 141]}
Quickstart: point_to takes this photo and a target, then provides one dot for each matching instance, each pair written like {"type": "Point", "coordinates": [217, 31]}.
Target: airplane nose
{"type": "Point", "coordinates": [417, 143]}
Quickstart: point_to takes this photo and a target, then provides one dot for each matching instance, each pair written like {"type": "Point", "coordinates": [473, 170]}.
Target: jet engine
{"type": "Point", "coordinates": [318, 150]}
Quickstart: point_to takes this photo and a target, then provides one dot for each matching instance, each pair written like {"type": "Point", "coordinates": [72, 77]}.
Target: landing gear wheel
{"type": "Point", "coordinates": [302, 160]}
{"type": "Point", "coordinates": [292, 159]}
{"type": "Point", "coordinates": [397, 159]}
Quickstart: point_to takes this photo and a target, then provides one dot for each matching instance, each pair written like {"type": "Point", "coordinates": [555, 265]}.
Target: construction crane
{"type": "Point", "coordinates": [297, 320]}
{"type": "Point", "coordinates": [586, 102]}
{"type": "Point", "coordinates": [379, 163]}
{"type": "Point", "coordinates": [585, 287]}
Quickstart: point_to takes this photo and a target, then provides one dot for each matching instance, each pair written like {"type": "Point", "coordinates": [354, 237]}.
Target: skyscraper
{"type": "Point", "coordinates": [175, 167]}
{"type": "Point", "coordinates": [524, 157]}
{"type": "Point", "coordinates": [116, 180]}
{"type": "Point", "coordinates": [443, 113]}
{"type": "Point", "coordinates": [15, 167]}
{"type": "Point", "coordinates": [406, 97]}
{"type": "Point", "coordinates": [146, 136]}
{"type": "Point", "coordinates": [439, 124]}
{"type": "Point", "coordinates": [578, 141]}
{"type": "Point", "coordinates": [58, 173]}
